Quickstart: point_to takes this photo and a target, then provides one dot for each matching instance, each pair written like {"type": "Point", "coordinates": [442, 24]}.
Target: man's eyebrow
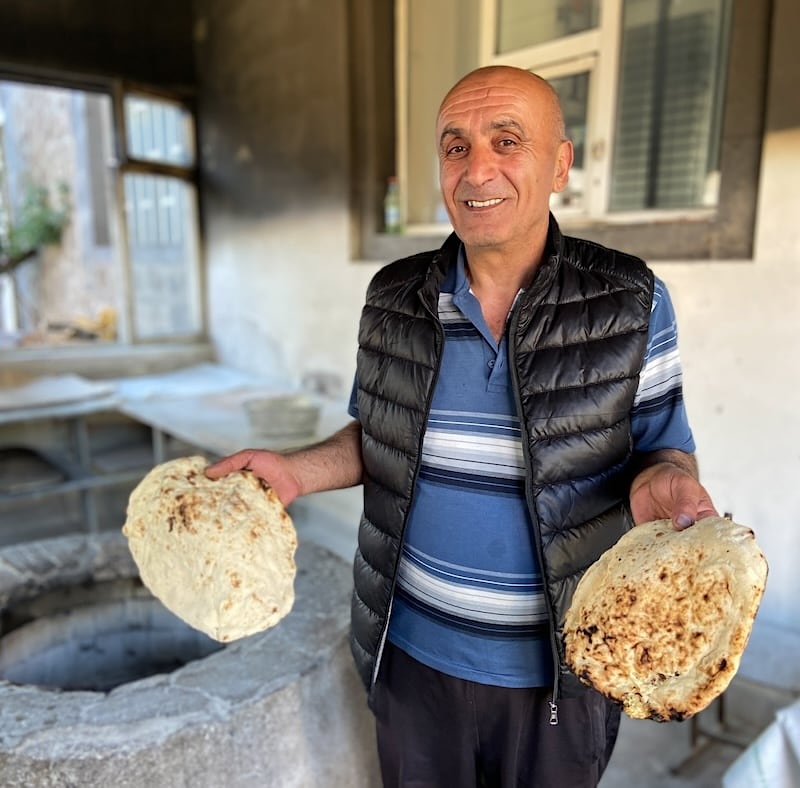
{"type": "Point", "coordinates": [508, 123]}
{"type": "Point", "coordinates": [450, 131]}
{"type": "Point", "coordinates": [497, 125]}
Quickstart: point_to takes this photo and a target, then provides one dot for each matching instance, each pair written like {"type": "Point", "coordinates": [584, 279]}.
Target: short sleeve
{"type": "Point", "coordinates": [352, 407]}
{"type": "Point", "coordinates": [658, 418]}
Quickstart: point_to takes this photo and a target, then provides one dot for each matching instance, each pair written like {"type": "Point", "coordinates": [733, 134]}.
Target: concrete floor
{"type": "Point", "coordinates": [654, 755]}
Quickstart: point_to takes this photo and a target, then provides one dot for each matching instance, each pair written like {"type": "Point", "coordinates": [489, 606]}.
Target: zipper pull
{"type": "Point", "coordinates": [553, 713]}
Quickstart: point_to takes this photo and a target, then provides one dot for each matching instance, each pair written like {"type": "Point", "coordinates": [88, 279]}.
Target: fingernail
{"type": "Point", "coordinates": [684, 521]}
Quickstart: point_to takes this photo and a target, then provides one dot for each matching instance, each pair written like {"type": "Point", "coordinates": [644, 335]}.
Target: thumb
{"type": "Point", "coordinates": [692, 503]}
{"type": "Point", "coordinates": [230, 464]}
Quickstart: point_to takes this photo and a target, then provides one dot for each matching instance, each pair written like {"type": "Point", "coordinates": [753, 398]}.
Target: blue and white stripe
{"type": "Point", "coordinates": [478, 451]}
{"type": "Point", "coordinates": [659, 398]}
{"type": "Point", "coordinates": [496, 603]}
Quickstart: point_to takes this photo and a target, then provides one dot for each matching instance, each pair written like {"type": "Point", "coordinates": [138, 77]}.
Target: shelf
{"type": "Point", "coordinates": [24, 470]}
{"type": "Point", "coordinates": [85, 483]}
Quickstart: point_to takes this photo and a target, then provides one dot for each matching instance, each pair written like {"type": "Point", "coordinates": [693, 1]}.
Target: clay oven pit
{"type": "Point", "coordinates": [100, 685]}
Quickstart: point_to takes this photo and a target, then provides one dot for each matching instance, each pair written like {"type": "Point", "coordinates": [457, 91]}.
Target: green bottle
{"type": "Point", "coordinates": [391, 207]}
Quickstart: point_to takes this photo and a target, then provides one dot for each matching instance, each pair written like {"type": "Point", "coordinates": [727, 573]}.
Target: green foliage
{"type": "Point", "coordinates": [38, 223]}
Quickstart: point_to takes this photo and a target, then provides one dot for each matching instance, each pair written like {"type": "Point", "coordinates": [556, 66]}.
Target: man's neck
{"type": "Point", "coordinates": [502, 271]}
{"type": "Point", "coordinates": [496, 287]}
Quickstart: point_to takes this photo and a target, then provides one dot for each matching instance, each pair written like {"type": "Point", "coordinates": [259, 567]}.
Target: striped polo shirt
{"type": "Point", "coordinates": [469, 597]}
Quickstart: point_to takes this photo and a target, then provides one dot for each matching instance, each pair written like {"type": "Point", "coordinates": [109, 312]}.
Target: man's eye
{"type": "Point", "coordinates": [507, 143]}
{"type": "Point", "coordinates": [456, 150]}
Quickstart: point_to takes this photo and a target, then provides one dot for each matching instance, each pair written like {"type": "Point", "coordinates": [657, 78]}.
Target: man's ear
{"type": "Point", "coordinates": [564, 156]}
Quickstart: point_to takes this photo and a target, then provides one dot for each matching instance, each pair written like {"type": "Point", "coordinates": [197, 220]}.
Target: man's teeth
{"type": "Point", "coordinates": [484, 203]}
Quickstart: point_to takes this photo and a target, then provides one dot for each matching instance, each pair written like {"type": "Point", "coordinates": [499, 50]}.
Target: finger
{"type": "Point", "coordinates": [643, 510]}
{"type": "Point", "coordinates": [706, 509]}
{"type": "Point", "coordinates": [682, 521]}
{"type": "Point", "coordinates": [234, 462]}
{"type": "Point", "coordinates": [692, 506]}
{"type": "Point", "coordinates": [685, 504]}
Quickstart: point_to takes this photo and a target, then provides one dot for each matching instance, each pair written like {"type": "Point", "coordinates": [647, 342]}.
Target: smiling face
{"type": "Point", "coordinates": [501, 155]}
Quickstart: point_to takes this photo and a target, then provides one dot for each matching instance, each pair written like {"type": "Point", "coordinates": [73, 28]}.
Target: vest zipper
{"type": "Point", "coordinates": [537, 536]}
{"type": "Point", "coordinates": [429, 401]}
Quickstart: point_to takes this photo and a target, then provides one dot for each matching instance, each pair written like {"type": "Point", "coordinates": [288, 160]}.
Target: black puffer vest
{"type": "Point", "coordinates": [577, 339]}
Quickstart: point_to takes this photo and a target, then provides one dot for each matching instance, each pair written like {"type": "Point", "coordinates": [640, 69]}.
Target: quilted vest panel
{"type": "Point", "coordinates": [577, 342]}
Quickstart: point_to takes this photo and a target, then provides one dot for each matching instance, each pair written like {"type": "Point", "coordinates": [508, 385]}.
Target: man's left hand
{"type": "Point", "coordinates": [667, 491]}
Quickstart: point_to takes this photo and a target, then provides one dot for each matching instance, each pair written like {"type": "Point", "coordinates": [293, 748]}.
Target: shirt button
{"type": "Point", "coordinates": [491, 364]}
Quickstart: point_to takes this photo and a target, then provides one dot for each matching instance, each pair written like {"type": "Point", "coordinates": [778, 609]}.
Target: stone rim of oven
{"type": "Point", "coordinates": [49, 724]}
{"type": "Point", "coordinates": [96, 637]}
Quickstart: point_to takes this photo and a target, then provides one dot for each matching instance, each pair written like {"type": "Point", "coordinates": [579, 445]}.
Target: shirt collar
{"type": "Point", "coordinates": [460, 281]}
{"type": "Point", "coordinates": [458, 276]}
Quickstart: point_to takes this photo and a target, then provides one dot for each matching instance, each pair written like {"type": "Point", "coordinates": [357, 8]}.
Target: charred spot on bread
{"type": "Point", "coordinates": [217, 553]}
{"type": "Point", "coordinates": [659, 622]}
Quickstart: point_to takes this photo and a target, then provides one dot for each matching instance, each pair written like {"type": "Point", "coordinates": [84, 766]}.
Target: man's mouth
{"type": "Point", "coordinates": [484, 203]}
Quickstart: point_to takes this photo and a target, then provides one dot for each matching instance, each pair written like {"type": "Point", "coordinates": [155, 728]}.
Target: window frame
{"type": "Point", "coordinates": [117, 89]}
{"type": "Point", "coordinates": [128, 164]}
{"type": "Point", "coordinates": [595, 51]}
{"type": "Point", "coordinates": [725, 232]}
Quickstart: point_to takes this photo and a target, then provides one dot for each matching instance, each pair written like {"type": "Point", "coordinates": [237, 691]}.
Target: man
{"type": "Point", "coordinates": [518, 408]}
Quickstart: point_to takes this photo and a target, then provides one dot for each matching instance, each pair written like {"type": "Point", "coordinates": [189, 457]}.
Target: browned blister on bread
{"type": "Point", "coordinates": [219, 554]}
{"type": "Point", "coordinates": [660, 621]}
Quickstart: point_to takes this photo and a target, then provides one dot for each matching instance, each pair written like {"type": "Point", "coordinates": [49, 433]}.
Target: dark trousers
{"type": "Point", "coordinates": [436, 731]}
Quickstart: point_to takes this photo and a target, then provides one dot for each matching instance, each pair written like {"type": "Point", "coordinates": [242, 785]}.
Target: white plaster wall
{"type": "Point", "coordinates": [284, 297]}
{"type": "Point", "coordinates": [738, 324]}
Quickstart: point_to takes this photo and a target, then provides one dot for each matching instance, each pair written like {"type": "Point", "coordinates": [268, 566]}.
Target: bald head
{"type": "Point", "coordinates": [502, 154]}
{"type": "Point", "coordinates": [539, 92]}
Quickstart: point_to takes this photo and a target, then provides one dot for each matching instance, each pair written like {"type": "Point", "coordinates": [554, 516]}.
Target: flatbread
{"type": "Point", "coordinates": [660, 621]}
{"type": "Point", "coordinates": [219, 554]}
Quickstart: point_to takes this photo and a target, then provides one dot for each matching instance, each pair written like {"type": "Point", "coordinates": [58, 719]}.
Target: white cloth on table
{"type": "Point", "coordinates": [773, 759]}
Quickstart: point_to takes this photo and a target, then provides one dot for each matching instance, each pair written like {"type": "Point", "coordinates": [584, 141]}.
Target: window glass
{"type": "Point", "coordinates": [671, 76]}
{"type": "Point", "coordinates": [60, 276]}
{"type": "Point", "coordinates": [158, 130]}
{"type": "Point", "coordinates": [521, 23]}
{"type": "Point", "coordinates": [162, 230]}
{"type": "Point", "coordinates": [573, 92]}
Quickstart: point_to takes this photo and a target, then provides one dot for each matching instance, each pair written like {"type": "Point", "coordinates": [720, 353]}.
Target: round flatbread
{"type": "Point", "coordinates": [219, 554]}
{"type": "Point", "coordinates": [660, 621]}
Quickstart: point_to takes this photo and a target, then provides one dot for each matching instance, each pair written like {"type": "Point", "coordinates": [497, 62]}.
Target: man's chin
{"type": "Point", "coordinates": [483, 240]}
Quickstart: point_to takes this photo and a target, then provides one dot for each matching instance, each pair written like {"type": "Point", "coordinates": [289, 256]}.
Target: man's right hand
{"type": "Point", "coordinates": [330, 465]}
{"type": "Point", "coordinates": [275, 469]}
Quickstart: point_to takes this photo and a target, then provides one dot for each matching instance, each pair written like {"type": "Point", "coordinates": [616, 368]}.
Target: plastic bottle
{"type": "Point", "coordinates": [392, 222]}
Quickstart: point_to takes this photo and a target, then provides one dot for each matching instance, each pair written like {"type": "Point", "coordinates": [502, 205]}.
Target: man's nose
{"type": "Point", "coordinates": [481, 165]}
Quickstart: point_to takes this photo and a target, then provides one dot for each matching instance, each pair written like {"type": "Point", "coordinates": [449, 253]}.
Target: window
{"type": "Point", "coordinates": [120, 165]}
{"type": "Point", "coordinates": [161, 218]}
{"type": "Point", "coordinates": [666, 149]}
{"type": "Point", "coordinates": [642, 84]}
{"type": "Point", "coordinates": [522, 24]}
